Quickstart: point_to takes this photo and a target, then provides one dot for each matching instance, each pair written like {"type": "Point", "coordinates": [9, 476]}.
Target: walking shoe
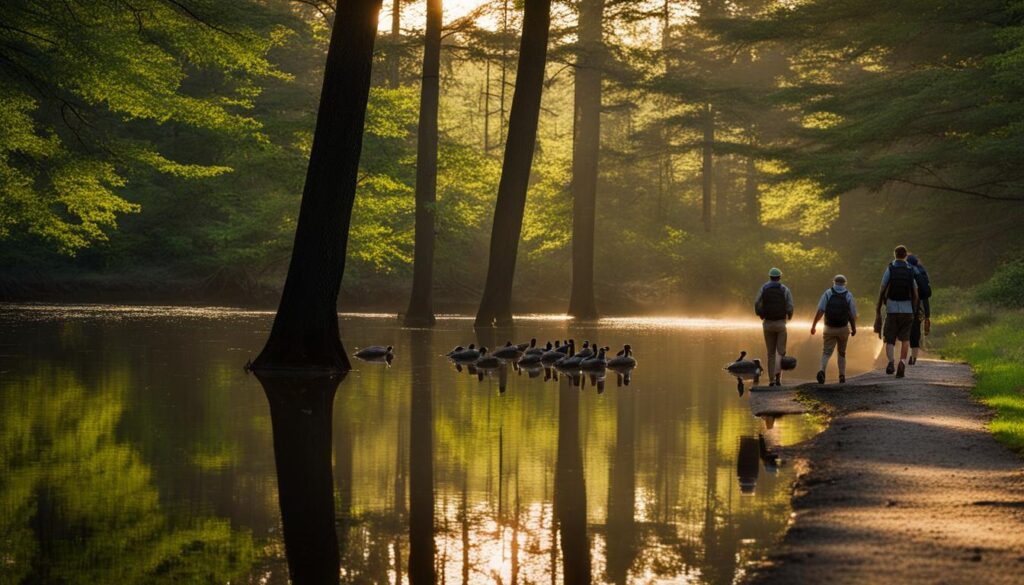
{"type": "Point", "coordinates": [778, 379]}
{"type": "Point", "coordinates": [902, 370]}
{"type": "Point", "coordinates": [889, 369]}
{"type": "Point", "coordinates": [842, 379]}
{"type": "Point", "coordinates": [821, 376]}
{"type": "Point", "coordinates": [912, 361]}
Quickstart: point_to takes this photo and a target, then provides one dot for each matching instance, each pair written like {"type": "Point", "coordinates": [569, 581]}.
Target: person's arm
{"type": "Point", "coordinates": [757, 302]}
{"type": "Point", "coordinates": [817, 317]}
{"type": "Point", "coordinates": [916, 298]}
{"type": "Point", "coordinates": [789, 304]}
{"type": "Point", "coordinates": [853, 314]}
{"type": "Point", "coordinates": [881, 292]}
{"type": "Point", "coordinates": [927, 304]}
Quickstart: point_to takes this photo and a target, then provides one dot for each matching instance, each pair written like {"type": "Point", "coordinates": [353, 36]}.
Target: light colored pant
{"type": "Point", "coordinates": [775, 342]}
{"type": "Point", "coordinates": [835, 337]}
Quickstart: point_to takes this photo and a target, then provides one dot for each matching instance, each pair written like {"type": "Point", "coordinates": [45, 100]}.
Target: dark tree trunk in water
{"type": "Point", "coordinates": [421, 463]}
{"type": "Point", "coordinates": [585, 151]}
{"type": "Point", "coordinates": [300, 416]}
{"type": "Point", "coordinates": [305, 333]}
{"type": "Point", "coordinates": [496, 304]}
{"type": "Point", "coordinates": [421, 305]}
{"type": "Point", "coordinates": [571, 488]}
{"type": "Point", "coordinates": [621, 549]}
{"type": "Point", "coordinates": [753, 201]}
{"type": "Point", "coordinates": [707, 167]}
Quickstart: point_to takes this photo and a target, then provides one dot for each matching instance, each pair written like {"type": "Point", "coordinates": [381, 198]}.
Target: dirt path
{"type": "Point", "coordinates": [905, 486]}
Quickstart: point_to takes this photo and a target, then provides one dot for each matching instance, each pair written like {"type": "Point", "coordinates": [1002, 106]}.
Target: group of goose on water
{"type": "Point", "coordinates": [558, 354]}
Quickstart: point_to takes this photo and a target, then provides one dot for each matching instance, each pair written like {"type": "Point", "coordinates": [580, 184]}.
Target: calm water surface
{"type": "Point", "coordinates": [134, 449]}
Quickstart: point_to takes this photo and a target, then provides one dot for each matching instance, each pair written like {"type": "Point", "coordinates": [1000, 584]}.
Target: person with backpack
{"type": "Point", "coordinates": [840, 312]}
{"type": "Point", "coordinates": [924, 312]}
{"type": "Point", "coordinates": [774, 305]}
{"type": "Point", "coordinates": [899, 294]}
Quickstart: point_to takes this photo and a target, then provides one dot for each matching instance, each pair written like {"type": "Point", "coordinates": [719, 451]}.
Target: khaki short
{"type": "Point", "coordinates": [897, 327]}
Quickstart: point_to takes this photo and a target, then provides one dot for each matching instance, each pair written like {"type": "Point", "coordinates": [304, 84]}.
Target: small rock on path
{"type": "Point", "coordinates": [906, 485]}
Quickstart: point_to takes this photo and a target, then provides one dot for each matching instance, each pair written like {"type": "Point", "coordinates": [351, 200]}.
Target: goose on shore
{"type": "Point", "coordinates": [624, 359]}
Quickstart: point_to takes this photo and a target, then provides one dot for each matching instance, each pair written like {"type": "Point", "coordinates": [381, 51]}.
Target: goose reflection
{"type": "Point", "coordinates": [570, 488]}
{"type": "Point", "coordinates": [300, 415]}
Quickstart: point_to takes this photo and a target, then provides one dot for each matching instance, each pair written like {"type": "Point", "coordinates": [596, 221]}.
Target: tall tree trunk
{"type": "Point", "coordinates": [750, 191]}
{"type": "Point", "coordinates": [421, 464]}
{"type": "Point", "coordinates": [496, 304]}
{"type": "Point", "coordinates": [421, 304]}
{"type": "Point", "coordinates": [394, 60]}
{"type": "Point", "coordinates": [305, 332]}
{"type": "Point", "coordinates": [300, 417]}
{"type": "Point", "coordinates": [721, 187]}
{"type": "Point", "coordinates": [571, 488]}
{"type": "Point", "coordinates": [586, 149]}
{"type": "Point", "coordinates": [707, 166]}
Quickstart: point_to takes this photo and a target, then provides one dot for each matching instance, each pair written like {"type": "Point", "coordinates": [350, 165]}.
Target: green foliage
{"type": "Point", "coordinates": [1006, 287]}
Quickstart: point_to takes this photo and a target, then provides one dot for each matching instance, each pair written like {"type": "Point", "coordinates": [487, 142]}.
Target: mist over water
{"type": "Point", "coordinates": [139, 447]}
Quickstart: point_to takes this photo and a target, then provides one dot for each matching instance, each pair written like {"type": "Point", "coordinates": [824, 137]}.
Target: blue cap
{"type": "Point", "coordinates": [912, 260]}
{"type": "Point", "coordinates": [774, 273]}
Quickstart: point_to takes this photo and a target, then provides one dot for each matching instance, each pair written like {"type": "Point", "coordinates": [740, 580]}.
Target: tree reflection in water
{"type": "Point", "coordinates": [300, 412]}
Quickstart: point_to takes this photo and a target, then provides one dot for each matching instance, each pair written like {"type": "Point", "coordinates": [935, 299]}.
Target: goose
{"type": "Point", "coordinates": [530, 359]}
{"type": "Point", "coordinates": [624, 359]}
{"type": "Point", "coordinates": [564, 348]}
{"type": "Point", "coordinates": [596, 363]}
{"type": "Point", "coordinates": [539, 350]}
{"type": "Point", "coordinates": [745, 367]}
{"type": "Point", "coordinates": [528, 344]}
{"type": "Point", "coordinates": [459, 348]}
{"type": "Point", "coordinates": [550, 357]}
{"type": "Point", "coordinates": [467, 355]}
{"type": "Point", "coordinates": [509, 352]}
{"type": "Point", "coordinates": [375, 352]}
{"type": "Point", "coordinates": [587, 351]}
{"type": "Point", "coordinates": [487, 362]}
{"type": "Point", "coordinates": [569, 362]}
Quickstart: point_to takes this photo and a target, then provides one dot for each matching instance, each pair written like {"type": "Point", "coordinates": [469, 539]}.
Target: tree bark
{"type": "Point", "coordinates": [394, 61]}
{"type": "Point", "coordinates": [707, 167]}
{"type": "Point", "coordinates": [753, 200]}
{"type": "Point", "coordinates": [496, 304]}
{"type": "Point", "coordinates": [421, 464]}
{"type": "Point", "coordinates": [300, 417]}
{"type": "Point", "coordinates": [586, 150]}
{"type": "Point", "coordinates": [421, 304]}
{"type": "Point", "coordinates": [305, 332]}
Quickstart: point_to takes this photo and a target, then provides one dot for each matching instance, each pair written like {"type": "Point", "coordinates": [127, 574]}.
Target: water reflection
{"type": "Point", "coordinates": [300, 413]}
{"type": "Point", "coordinates": [138, 449]}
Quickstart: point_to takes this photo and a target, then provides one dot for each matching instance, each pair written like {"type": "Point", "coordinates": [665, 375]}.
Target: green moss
{"type": "Point", "coordinates": [992, 341]}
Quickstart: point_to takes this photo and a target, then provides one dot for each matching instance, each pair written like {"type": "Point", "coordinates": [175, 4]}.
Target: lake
{"type": "Point", "coordinates": [135, 449]}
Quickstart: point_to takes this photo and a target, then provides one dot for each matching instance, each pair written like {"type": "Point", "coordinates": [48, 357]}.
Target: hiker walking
{"type": "Point", "coordinates": [924, 311]}
{"type": "Point", "coordinates": [840, 312]}
{"type": "Point", "coordinates": [774, 305]}
{"type": "Point", "coordinates": [900, 297]}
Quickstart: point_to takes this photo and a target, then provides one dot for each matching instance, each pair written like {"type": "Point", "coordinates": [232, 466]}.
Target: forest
{"type": "Point", "coordinates": [157, 150]}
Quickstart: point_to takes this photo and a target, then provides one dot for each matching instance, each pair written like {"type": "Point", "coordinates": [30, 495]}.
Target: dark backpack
{"type": "Point", "coordinates": [901, 283]}
{"type": "Point", "coordinates": [924, 285]}
{"type": "Point", "coordinates": [773, 302]}
{"type": "Point", "coordinates": [837, 310]}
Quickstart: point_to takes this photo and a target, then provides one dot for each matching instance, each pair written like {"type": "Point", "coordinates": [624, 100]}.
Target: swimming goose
{"type": "Point", "coordinates": [374, 352]}
{"type": "Point", "coordinates": [564, 348]}
{"type": "Point", "coordinates": [588, 350]}
{"type": "Point", "coordinates": [459, 348]}
{"type": "Point", "coordinates": [569, 362]}
{"type": "Point", "coordinates": [539, 350]}
{"type": "Point", "coordinates": [487, 362]}
{"type": "Point", "coordinates": [509, 352]}
{"type": "Point", "coordinates": [745, 367]}
{"type": "Point", "coordinates": [528, 344]}
{"type": "Point", "coordinates": [624, 359]}
{"type": "Point", "coordinates": [596, 363]}
{"type": "Point", "coordinates": [467, 355]}
{"type": "Point", "coordinates": [552, 356]}
{"type": "Point", "coordinates": [530, 359]}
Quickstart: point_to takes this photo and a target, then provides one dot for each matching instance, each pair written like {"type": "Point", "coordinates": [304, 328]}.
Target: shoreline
{"type": "Point", "coordinates": [904, 485]}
